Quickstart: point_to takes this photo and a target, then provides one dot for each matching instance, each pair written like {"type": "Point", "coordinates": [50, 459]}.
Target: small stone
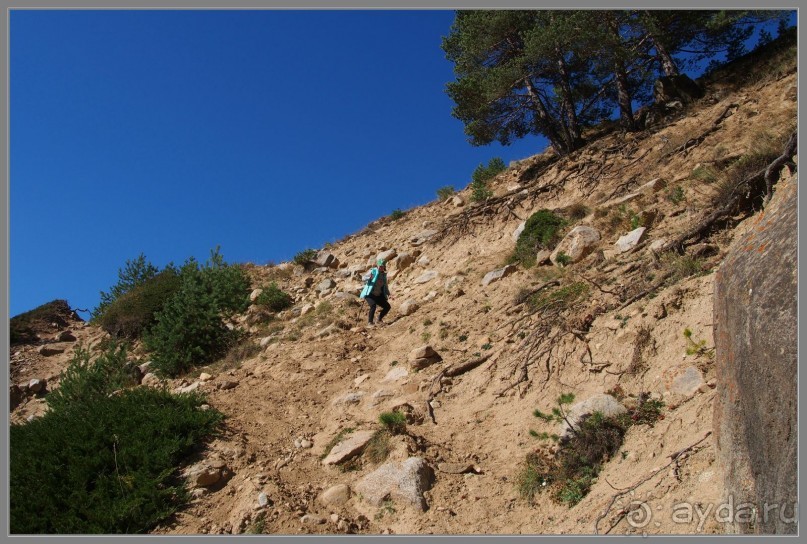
{"type": "Point", "coordinates": [263, 499]}
{"type": "Point", "coordinates": [36, 385]}
{"type": "Point", "coordinates": [306, 444]}
{"type": "Point", "coordinates": [335, 496]}
{"type": "Point", "coordinates": [204, 376]}
{"type": "Point", "coordinates": [228, 384]}
{"type": "Point", "coordinates": [311, 519]}
{"type": "Point", "coordinates": [334, 518]}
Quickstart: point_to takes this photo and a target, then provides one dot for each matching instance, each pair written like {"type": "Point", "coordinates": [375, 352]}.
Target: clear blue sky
{"type": "Point", "coordinates": [264, 132]}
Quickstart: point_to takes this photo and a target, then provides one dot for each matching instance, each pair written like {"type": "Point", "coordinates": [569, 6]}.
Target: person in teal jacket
{"type": "Point", "coordinates": [376, 292]}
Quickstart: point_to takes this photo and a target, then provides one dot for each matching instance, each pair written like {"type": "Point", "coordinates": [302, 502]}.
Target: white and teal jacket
{"type": "Point", "coordinates": [373, 277]}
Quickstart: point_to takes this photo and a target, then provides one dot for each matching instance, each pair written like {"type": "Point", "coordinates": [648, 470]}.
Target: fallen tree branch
{"type": "Point", "coordinates": [772, 172]}
{"type": "Point", "coordinates": [673, 459]}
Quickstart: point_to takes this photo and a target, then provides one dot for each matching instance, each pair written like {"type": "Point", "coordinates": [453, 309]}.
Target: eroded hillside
{"type": "Point", "coordinates": [612, 323]}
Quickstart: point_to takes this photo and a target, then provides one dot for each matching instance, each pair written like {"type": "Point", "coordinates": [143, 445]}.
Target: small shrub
{"type": "Point", "coordinates": [274, 299]}
{"type": "Point", "coordinates": [487, 346]}
{"type": "Point", "coordinates": [705, 173]}
{"type": "Point", "coordinates": [132, 313]}
{"type": "Point", "coordinates": [462, 337]}
{"type": "Point", "coordinates": [136, 272]}
{"type": "Point", "coordinates": [682, 266]}
{"type": "Point", "coordinates": [482, 175]}
{"type": "Point", "coordinates": [396, 214]}
{"type": "Point", "coordinates": [563, 259]}
{"type": "Point", "coordinates": [676, 194]}
{"type": "Point", "coordinates": [559, 299]}
{"type": "Point", "coordinates": [541, 231]}
{"type": "Point", "coordinates": [427, 322]}
{"type": "Point", "coordinates": [444, 193]}
{"type": "Point", "coordinates": [378, 448]}
{"type": "Point", "coordinates": [577, 211]}
{"type": "Point", "coordinates": [394, 422]}
{"type": "Point", "coordinates": [305, 256]}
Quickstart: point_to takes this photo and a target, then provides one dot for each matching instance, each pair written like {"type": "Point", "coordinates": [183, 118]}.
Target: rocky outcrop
{"type": "Point", "coordinates": [755, 330]}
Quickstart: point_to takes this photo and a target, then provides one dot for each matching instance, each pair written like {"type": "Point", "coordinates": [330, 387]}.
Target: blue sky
{"type": "Point", "coordinates": [263, 132]}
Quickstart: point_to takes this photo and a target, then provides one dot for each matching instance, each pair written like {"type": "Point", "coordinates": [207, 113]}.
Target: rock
{"type": "Point", "coordinates": [311, 519]}
{"type": "Point", "coordinates": [519, 229]}
{"type": "Point", "coordinates": [228, 384]}
{"type": "Point", "coordinates": [150, 379]}
{"type": "Point", "coordinates": [379, 396]}
{"type": "Point", "coordinates": [621, 200]}
{"type": "Point", "coordinates": [542, 257]}
{"type": "Point", "coordinates": [703, 250]}
{"type": "Point", "coordinates": [457, 201]}
{"type": "Point", "coordinates": [423, 352]}
{"type": "Point", "coordinates": [756, 363]}
{"type": "Point", "coordinates": [498, 274]}
{"type": "Point", "coordinates": [326, 259]}
{"type": "Point", "coordinates": [678, 87]}
{"type": "Point", "coordinates": [48, 351]}
{"type": "Point", "coordinates": [431, 295]}
{"type": "Point", "coordinates": [204, 376]}
{"type": "Point", "coordinates": [387, 256]}
{"type": "Point", "coordinates": [426, 276]}
{"type": "Point", "coordinates": [144, 368]}
{"type": "Point", "coordinates": [654, 185]}
{"type": "Point", "coordinates": [330, 329]}
{"type": "Point", "coordinates": [350, 446]}
{"type": "Point", "coordinates": [656, 245]}
{"type": "Point", "coordinates": [358, 381]}
{"type": "Point", "coordinates": [404, 481]}
{"type": "Point", "coordinates": [66, 336]}
{"type": "Point", "coordinates": [306, 308]}
{"type": "Point", "coordinates": [335, 496]}
{"type": "Point", "coordinates": [409, 307]}
{"type": "Point", "coordinates": [687, 382]}
{"type": "Point", "coordinates": [395, 374]}
{"type": "Point", "coordinates": [350, 398]}
{"type": "Point", "coordinates": [37, 385]}
{"type": "Point", "coordinates": [253, 296]}
{"type": "Point", "coordinates": [188, 388]}
{"type": "Point", "coordinates": [422, 237]}
{"type": "Point", "coordinates": [263, 500]}
{"type": "Point", "coordinates": [403, 261]}
{"type": "Point", "coordinates": [15, 396]}
{"type": "Point", "coordinates": [603, 403]}
{"type": "Point", "coordinates": [577, 244]}
{"type": "Point", "coordinates": [205, 476]}
{"type": "Point", "coordinates": [630, 240]}
{"type": "Point", "coordinates": [456, 468]}
{"type": "Point", "coordinates": [306, 444]}
{"type": "Point", "coordinates": [326, 284]}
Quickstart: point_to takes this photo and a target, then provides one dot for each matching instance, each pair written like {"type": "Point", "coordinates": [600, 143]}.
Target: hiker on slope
{"type": "Point", "coordinates": [375, 291]}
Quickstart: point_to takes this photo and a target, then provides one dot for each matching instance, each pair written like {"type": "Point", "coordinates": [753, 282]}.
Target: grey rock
{"type": "Point", "coordinates": [422, 237]}
{"type": "Point", "coordinates": [255, 294]}
{"type": "Point", "coordinates": [422, 352]}
{"type": "Point", "coordinates": [37, 385]}
{"type": "Point", "coordinates": [404, 481]}
{"type": "Point", "coordinates": [403, 261]}
{"type": "Point", "coordinates": [387, 255]}
{"type": "Point", "coordinates": [427, 276]}
{"type": "Point", "coordinates": [327, 260]}
{"type": "Point", "coordinates": [603, 403]}
{"type": "Point", "coordinates": [326, 284]}
{"type": "Point", "coordinates": [630, 240]}
{"type": "Point", "coordinates": [409, 307]}
{"type": "Point", "coordinates": [311, 519]}
{"type": "Point", "coordinates": [577, 244]}
{"type": "Point", "coordinates": [395, 374]}
{"type": "Point", "coordinates": [756, 339]}
{"type": "Point", "coordinates": [349, 447]}
{"type": "Point", "coordinates": [498, 274]}
{"type": "Point", "coordinates": [519, 229]}
{"type": "Point", "coordinates": [688, 382]}
{"type": "Point", "coordinates": [228, 384]}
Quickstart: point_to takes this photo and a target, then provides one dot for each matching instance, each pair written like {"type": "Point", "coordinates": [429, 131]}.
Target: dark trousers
{"type": "Point", "coordinates": [377, 300]}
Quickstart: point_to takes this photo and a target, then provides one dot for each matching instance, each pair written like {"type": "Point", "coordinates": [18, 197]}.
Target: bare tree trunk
{"type": "Point", "coordinates": [545, 121]}
{"type": "Point", "coordinates": [571, 126]}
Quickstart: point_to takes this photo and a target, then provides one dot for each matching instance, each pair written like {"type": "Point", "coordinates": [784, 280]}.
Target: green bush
{"type": "Point", "coordinates": [22, 326]}
{"type": "Point", "coordinates": [189, 330]}
{"type": "Point", "coordinates": [396, 214]}
{"type": "Point", "coordinates": [103, 458]}
{"type": "Point", "coordinates": [482, 175]}
{"type": "Point", "coordinates": [306, 256]}
{"type": "Point", "coordinates": [541, 231]}
{"type": "Point", "coordinates": [444, 193]}
{"type": "Point", "coordinates": [130, 314]}
{"type": "Point", "coordinates": [274, 299]}
{"type": "Point", "coordinates": [108, 467]}
{"type": "Point", "coordinates": [394, 422]}
{"type": "Point", "coordinates": [135, 273]}
{"type": "Point", "coordinates": [85, 381]}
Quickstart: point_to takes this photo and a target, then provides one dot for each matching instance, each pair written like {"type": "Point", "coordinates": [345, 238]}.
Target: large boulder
{"type": "Point", "coordinates": [404, 481]}
{"type": "Point", "coordinates": [755, 330]}
{"type": "Point", "coordinates": [577, 244]}
{"type": "Point", "coordinates": [498, 274]}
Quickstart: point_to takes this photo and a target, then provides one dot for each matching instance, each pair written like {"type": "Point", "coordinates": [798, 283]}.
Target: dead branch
{"type": "Point", "coordinates": [673, 459]}
{"type": "Point", "coordinates": [462, 368]}
{"type": "Point", "coordinates": [695, 142]}
{"type": "Point", "coordinates": [658, 283]}
{"type": "Point", "coordinates": [772, 172]}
